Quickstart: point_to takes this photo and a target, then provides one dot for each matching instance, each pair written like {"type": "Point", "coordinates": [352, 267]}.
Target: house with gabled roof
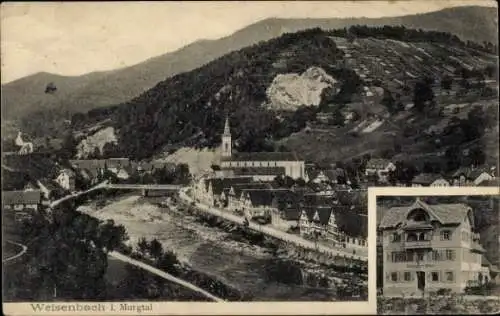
{"type": "Point", "coordinates": [429, 247]}
{"type": "Point", "coordinates": [314, 221]}
{"type": "Point", "coordinates": [234, 193]}
{"type": "Point", "coordinates": [429, 180]}
{"type": "Point", "coordinates": [285, 210]}
{"type": "Point", "coordinates": [380, 168]}
{"type": "Point", "coordinates": [21, 204]}
{"type": "Point", "coordinates": [214, 188]}
{"type": "Point", "coordinates": [467, 176]}
{"type": "Point", "coordinates": [257, 203]}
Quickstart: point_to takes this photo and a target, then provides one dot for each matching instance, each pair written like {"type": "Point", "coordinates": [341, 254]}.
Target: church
{"type": "Point", "coordinates": [263, 166]}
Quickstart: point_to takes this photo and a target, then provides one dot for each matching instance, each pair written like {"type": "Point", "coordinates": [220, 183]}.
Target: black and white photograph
{"type": "Point", "coordinates": [438, 254]}
{"type": "Point", "coordinates": [222, 151]}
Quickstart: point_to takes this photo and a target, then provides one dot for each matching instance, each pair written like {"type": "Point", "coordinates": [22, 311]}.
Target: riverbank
{"type": "Point", "coordinates": [212, 251]}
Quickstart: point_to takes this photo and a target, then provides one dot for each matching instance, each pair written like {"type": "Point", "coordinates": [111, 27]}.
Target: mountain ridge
{"type": "Point", "coordinates": [26, 95]}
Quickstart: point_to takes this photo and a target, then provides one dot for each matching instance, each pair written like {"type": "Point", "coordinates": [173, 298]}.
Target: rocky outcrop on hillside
{"type": "Point", "coordinates": [290, 91]}
{"type": "Point", "coordinates": [97, 141]}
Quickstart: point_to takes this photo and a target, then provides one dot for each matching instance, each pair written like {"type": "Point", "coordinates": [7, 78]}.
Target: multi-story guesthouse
{"type": "Point", "coordinates": [429, 247]}
{"type": "Point", "coordinates": [262, 163]}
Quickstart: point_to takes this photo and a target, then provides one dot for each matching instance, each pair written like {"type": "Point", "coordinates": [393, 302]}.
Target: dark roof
{"type": "Point", "coordinates": [317, 200]}
{"type": "Point", "coordinates": [469, 173]}
{"type": "Point", "coordinates": [290, 214]}
{"type": "Point", "coordinates": [324, 214]}
{"type": "Point", "coordinates": [263, 156]}
{"type": "Point", "coordinates": [333, 174]}
{"type": "Point", "coordinates": [490, 183]}
{"type": "Point", "coordinates": [260, 197]}
{"type": "Point", "coordinates": [218, 184]}
{"type": "Point", "coordinates": [239, 187]}
{"type": "Point", "coordinates": [426, 178]}
{"type": "Point", "coordinates": [444, 213]}
{"type": "Point", "coordinates": [272, 171]}
{"type": "Point", "coordinates": [89, 164]}
{"type": "Point", "coordinates": [377, 163]}
{"type": "Point", "coordinates": [21, 197]}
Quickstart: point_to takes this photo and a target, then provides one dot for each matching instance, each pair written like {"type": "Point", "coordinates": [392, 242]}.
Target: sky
{"type": "Point", "coordinates": [74, 38]}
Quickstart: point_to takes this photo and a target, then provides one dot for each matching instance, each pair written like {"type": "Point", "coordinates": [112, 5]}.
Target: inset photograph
{"type": "Point", "coordinates": [438, 254]}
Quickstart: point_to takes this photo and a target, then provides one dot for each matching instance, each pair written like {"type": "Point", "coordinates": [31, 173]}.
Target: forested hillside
{"type": "Point", "coordinates": [188, 109]}
{"type": "Point", "coordinates": [26, 100]}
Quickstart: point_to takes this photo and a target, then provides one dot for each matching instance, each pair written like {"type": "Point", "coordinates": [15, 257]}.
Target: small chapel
{"type": "Point", "coordinates": [260, 165]}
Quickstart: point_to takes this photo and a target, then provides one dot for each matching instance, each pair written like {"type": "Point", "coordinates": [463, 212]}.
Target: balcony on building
{"type": "Point", "coordinates": [418, 235]}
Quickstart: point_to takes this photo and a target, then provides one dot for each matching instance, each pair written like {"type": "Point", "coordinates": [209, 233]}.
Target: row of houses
{"type": "Point", "coordinates": [466, 176]}
{"type": "Point", "coordinates": [296, 209]}
{"type": "Point", "coordinates": [93, 169]}
{"type": "Point", "coordinates": [22, 204]}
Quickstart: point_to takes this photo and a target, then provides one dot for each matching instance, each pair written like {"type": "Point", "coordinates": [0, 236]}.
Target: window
{"type": "Point", "coordinates": [421, 237]}
{"type": "Point", "coordinates": [407, 276]}
{"type": "Point", "coordinates": [435, 276]}
{"type": "Point", "coordinates": [394, 277]}
{"type": "Point", "coordinates": [420, 256]}
{"type": "Point", "coordinates": [411, 237]}
{"type": "Point", "coordinates": [445, 235]}
{"type": "Point", "coordinates": [450, 254]}
{"type": "Point", "coordinates": [396, 237]}
{"type": "Point", "coordinates": [449, 276]}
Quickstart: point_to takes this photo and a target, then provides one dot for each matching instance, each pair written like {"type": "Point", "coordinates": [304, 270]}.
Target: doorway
{"type": "Point", "coordinates": [421, 281]}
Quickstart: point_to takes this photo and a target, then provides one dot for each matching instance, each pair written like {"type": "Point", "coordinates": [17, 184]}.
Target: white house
{"type": "Point", "coordinates": [66, 179]}
{"type": "Point", "coordinates": [380, 168]}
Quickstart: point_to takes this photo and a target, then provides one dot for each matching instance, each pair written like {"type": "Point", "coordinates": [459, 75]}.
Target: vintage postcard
{"type": "Point", "coordinates": [438, 250]}
{"type": "Point", "coordinates": [214, 157]}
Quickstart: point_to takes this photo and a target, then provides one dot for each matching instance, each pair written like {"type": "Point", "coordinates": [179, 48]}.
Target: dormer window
{"type": "Point", "coordinates": [445, 235]}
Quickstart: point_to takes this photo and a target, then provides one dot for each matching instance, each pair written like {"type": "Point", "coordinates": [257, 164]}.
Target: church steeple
{"type": "Point", "coordinates": [227, 131]}
{"type": "Point", "coordinates": [226, 140]}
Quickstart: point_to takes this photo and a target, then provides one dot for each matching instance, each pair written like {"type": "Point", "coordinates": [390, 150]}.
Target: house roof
{"type": "Point", "coordinates": [426, 178]}
{"type": "Point", "coordinates": [260, 197]}
{"type": "Point", "coordinates": [377, 163]}
{"type": "Point", "coordinates": [324, 213]}
{"type": "Point", "coordinates": [444, 213]}
{"type": "Point", "coordinates": [89, 163]}
{"type": "Point", "coordinates": [272, 171]}
{"type": "Point", "coordinates": [117, 162]}
{"type": "Point", "coordinates": [21, 197]}
{"type": "Point", "coordinates": [218, 184]}
{"type": "Point", "coordinates": [333, 174]}
{"type": "Point", "coordinates": [469, 173]}
{"type": "Point", "coordinates": [490, 183]}
{"type": "Point", "coordinates": [263, 156]}
{"type": "Point", "coordinates": [291, 214]}
{"type": "Point", "coordinates": [239, 187]}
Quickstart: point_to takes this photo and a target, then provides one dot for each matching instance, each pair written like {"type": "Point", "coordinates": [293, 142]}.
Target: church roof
{"type": "Point", "coordinates": [262, 156]}
{"type": "Point", "coordinates": [253, 171]}
{"type": "Point", "coordinates": [377, 163]}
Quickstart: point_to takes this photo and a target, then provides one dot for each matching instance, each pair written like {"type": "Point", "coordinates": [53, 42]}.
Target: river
{"type": "Point", "coordinates": [207, 249]}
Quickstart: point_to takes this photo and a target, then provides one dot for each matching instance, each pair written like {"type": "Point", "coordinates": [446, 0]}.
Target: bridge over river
{"type": "Point", "coordinates": [145, 188]}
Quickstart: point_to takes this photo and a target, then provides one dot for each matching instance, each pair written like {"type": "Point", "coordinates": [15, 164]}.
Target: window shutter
{"type": "Point", "coordinates": [387, 276]}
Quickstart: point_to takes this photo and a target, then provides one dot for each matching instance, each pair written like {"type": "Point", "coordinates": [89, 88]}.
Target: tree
{"type": "Point", "coordinates": [155, 249]}
{"type": "Point", "coordinates": [446, 83]}
{"type": "Point", "coordinates": [452, 158]}
{"type": "Point", "coordinates": [389, 102]}
{"type": "Point", "coordinates": [423, 97]}
{"type": "Point", "coordinates": [477, 156]}
{"type": "Point", "coordinates": [142, 245]}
